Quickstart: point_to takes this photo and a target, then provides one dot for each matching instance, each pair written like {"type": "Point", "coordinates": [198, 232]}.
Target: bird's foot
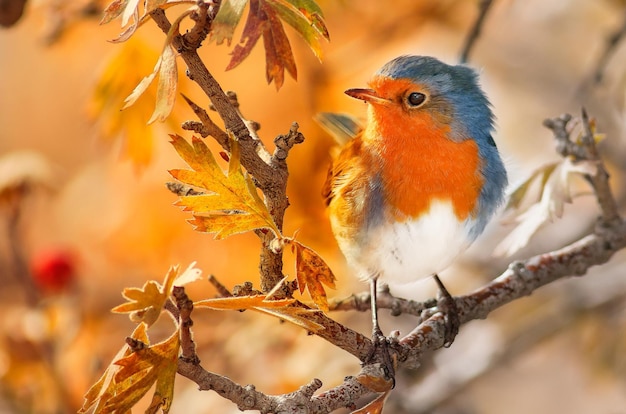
{"type": "Point", "coordinates": [447, 305]}
{"type": "Point", "coordinates": [381, 354]}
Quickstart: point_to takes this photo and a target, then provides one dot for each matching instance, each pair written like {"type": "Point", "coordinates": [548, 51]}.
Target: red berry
{"type": "Point", "coordinates": [53, 270]}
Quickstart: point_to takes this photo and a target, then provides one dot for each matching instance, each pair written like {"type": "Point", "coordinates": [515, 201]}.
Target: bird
{"type": "Point", "coordinates": [412, 190]}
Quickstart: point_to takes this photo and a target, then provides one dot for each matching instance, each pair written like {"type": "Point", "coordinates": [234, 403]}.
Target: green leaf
{"type": "Point", "coordinates": [226, 21]}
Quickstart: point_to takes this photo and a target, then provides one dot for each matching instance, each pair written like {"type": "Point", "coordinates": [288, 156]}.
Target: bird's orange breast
{"type": "Point", "coordinates": [420, 163]}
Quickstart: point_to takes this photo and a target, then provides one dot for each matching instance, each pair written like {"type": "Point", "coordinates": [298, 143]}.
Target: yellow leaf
{"type": "Point", "coordinates": [168, 83]}
{"type": "Point", "coordinates": [123, 72]}
{"type": "Point", "coordinates": [105, 387]}
{"type": "Point", "coordinates": [279, 308]}
{"type": "Point", "coordinates": [231, 203]}
{"type": "Point", "coordinates": [140, 371]}
{"type": "Point", "coordinates": [145, 304]}
{"type": "Point", "coordinates": [243, 302]}
{"type": "Point", "coordinates": [313, 273]}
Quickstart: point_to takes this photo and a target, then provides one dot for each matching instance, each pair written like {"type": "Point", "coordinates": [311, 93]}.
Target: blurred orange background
{"type": "Point", "coordinates": [562, 350]}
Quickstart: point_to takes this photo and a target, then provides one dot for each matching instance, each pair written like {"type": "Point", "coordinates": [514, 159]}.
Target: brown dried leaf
{"type": "Point", "coordinates": [264, 21]}
{"type": "Point", "coordinates": [312, 273]}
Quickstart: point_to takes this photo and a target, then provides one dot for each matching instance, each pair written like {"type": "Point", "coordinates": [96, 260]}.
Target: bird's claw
{"type": "Point", "coordinates": [381, 351]}
{"type": "Point", "coordinates": [447, 305]}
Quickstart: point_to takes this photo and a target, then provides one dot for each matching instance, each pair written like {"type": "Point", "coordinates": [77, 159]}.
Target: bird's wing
{"type": "Point", "coordinates": [342, 127]}
{"type": "Point", "coordinates": [342, 168]}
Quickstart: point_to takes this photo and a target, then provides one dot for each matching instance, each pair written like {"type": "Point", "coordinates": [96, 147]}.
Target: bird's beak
{"type": "Point", "coordinates": [367, 95]}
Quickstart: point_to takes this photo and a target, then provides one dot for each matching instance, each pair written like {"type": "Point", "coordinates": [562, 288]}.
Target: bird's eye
{"type": "Point", "coordinates": [416, 98]}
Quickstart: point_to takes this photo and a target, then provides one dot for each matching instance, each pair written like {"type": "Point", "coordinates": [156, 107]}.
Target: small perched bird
{"type": "Point", "coordinates": [417, 186]}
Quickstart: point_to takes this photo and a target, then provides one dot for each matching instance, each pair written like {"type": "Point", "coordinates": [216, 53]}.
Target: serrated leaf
{"type": "Point", "coordinates": [306, 17]}
{"type": "Point", "coordinates": [145, 304]}
{"type": "Point", "coordinates": [263, 21]}
{"type": "Point", "coordinates": [312, 274]}
{"type": "Point", "coordinates": [106, 386]}
{"type": "Point", "coordinates": [156, 364]}
{"type": "Point", "coordinates": [230, 204]}
{"type": "Point", "coordinates": [227, 19]}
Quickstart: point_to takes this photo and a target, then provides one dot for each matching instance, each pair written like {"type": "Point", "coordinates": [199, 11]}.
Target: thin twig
{"type": "Point", "coordinates": [609, 50]}
{"type": "Point", "coordinates": [185, 307]}
{"type": "Point", "coordinates": [474, 33]}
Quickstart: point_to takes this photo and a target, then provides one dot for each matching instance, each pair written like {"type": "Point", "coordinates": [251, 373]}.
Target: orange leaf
{"type": "Point", "coordinates": [375, 407]}
{"type": "Point", "coordinates": [243, 302]}
{"type": "Point", "coordinates": [313, 273]}
{"type": "Point", "coordinates": [279, 308]}
{"type": "Point", "coordinates": [252, 31]}
{"type": "Point", "coordinates": [263, 21]}
{"type": "Point", "coordinates": [156, 364]}
{"type": "Point", "coordinates": [106, 387]}
{"type": "Point", "coordinates": [278, 54]}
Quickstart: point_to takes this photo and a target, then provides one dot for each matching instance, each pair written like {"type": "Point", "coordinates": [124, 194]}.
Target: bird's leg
{"type": "Point", "coordinates": [376, 331]}
{"type": "Point", "coordinates": [380, 341]}
{"type": "Point", "coordinates": [447, 305]}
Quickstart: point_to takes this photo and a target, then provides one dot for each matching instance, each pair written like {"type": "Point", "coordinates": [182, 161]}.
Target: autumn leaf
{"type": "Point", "coordinates": [156, 364]}
{"type": "Point", "coordinates": [226, 20]}
{"type": "Point", "coordinates": [554, 189]}
{"type": "Point", "coordinates": [306, 17]}
{"type": "Point", "coordinates": [264, 21]}
{"type": "Point", "coordinates": [133, 8]}
{"type": "Point", "coordinates": [145, 304]}
{"type": "Point", "coordinates": [168, 78]}
{"type": "Point", "coordinates": [231, 203]}
{"type": "Point", "coordinates": [279, 308]}
{"type": "Point", "coordinates": [106, 386]}
{"type": "Point", "coordinates": [312, 274]}
{"type": "Point", "coordinates": [122, 73]}
{"type": "Point", "coordinates": [374, 407]}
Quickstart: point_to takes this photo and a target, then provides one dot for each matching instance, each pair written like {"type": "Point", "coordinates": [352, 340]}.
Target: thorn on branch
{"type": "Point", "coordinates": [222, 291]}
{"type": "Point", "coordinates": [208, 127]}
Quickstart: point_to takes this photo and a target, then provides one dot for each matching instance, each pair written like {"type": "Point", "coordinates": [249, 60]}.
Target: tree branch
{"type": "Point", "coordinates": [270, 172]}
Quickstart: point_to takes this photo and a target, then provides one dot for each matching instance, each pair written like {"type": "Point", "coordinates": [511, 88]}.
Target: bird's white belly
{"type": "Point", "coordinates": [410, 250]}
